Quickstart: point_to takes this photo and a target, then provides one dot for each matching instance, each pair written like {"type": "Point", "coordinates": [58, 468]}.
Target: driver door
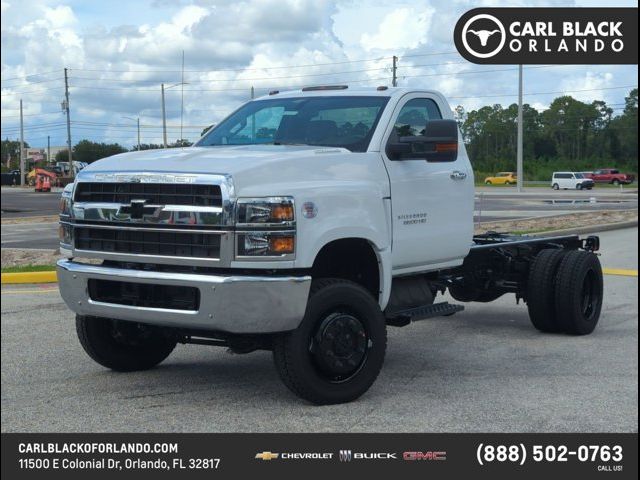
{"type": "Point", "coordinates": [432, 202]}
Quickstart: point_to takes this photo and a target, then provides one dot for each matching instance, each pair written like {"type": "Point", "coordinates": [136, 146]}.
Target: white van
{"type": "Point", "coordinates": [570, 180]}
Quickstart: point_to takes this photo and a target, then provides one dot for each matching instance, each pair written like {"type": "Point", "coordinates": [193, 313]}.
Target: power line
{"type": "Point", "coordinates": [30, 114]}
{"type": "Point", "coordinates": [21, 92]}
{"type": "Point", "coordinates": [30, 75]}
{"type": "Point", "coordinates": [243, 69]}
{"type": "Point", "coordinates": [547, 93]}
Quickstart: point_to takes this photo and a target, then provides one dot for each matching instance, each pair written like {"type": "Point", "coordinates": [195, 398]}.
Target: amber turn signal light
{"type": "Point", "coordinates": [282, 212]}
{"type": "Point", "coordinates": [281, 245]}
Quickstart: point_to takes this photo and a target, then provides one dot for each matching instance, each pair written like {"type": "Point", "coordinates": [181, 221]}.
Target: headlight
{"type": "Point", "coordinates": [65, 233]}
{"type": "Point", "coordinates": [65, 201]}
{"type": "Point", "coordinates": [266, 211]}
{"type": "Point", "coordinates": [266, 228]}
{"type": "Point", "coordinates": [265, 244]}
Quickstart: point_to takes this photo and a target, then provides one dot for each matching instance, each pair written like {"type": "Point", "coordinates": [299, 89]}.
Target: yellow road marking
{"type": "Point", "coordinates": [47, 290]}
{"type": "Point", "coordinates": [620, 271]}
{"type": "Point", "coordinates": [30, 277]}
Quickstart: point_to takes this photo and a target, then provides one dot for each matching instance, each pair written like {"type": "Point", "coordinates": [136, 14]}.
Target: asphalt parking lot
{"type": "Point", "coordinates": [483, 370]}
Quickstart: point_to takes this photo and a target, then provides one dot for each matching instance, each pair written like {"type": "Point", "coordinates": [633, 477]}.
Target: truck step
{"type": "Point", "coordinates": [405, 317]}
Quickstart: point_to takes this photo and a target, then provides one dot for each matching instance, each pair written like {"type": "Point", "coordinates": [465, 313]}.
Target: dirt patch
{"type": "Point", "coordinates": [574, 220]}
{"type": "Point", "coordinates": [34, 219]}
{"type": "Point", "coordinates": [14, 257]}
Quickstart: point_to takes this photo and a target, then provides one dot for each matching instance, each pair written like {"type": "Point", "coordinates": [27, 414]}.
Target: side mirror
{"type": "Point", "coordinates": [441, 138]}
{"type": "Point", "coordinates": [438, 144]}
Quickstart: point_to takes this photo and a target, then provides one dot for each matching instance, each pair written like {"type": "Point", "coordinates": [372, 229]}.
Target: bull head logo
{"type": "Point", "coordinates": [483, 35]}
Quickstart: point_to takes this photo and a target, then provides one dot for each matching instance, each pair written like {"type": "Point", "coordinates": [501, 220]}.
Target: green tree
{"type": "Point", "coordinates": [62, 156]}
{"type": "Point", "coordinates": [88, 151]}
{"type": "Point", "coordinates": [10, 153]}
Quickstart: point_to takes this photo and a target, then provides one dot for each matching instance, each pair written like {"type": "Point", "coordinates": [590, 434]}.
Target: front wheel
{"type": "Point", "coordinates": [123, 346]}
{"type": "Point", "coordinates": [616, 182]}
{"type": "Point", "coordinates": [488, 182]}
{"type": "Point", "coordinates": [336, 353]}
{"type": "Point", "coordinates": [579, 186]}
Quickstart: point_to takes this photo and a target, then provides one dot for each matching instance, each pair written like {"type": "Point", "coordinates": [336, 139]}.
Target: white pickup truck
{"type": "Point", "coordinates": [304, 223]}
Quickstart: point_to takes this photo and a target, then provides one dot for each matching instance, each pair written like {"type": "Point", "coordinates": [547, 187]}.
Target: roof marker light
{"type": "Point", "coordinates": [325, 87]}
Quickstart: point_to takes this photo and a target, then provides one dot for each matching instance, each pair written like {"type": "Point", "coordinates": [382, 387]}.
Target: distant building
{"type": "Point", "coordinates": [39, 154]}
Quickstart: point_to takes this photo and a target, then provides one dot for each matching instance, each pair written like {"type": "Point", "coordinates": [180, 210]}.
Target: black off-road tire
{"type": "Point", "coordinates": [579, 292]}
{"type": "Point", "coordinates": [541, 294]}
{"type": "Point", "coordinates": [123, 346]}
{"type": "Point", "coordinates": [298, 366]}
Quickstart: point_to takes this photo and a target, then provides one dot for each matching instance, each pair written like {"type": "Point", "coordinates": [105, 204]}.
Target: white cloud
{"type": "Point", "coordinates": [402, 28]}
{"type": "Point", "coordinates": [119, 55]}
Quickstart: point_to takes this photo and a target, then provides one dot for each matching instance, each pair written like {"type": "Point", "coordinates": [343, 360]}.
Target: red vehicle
{"type": "Point", "coordinates": [610, 175]}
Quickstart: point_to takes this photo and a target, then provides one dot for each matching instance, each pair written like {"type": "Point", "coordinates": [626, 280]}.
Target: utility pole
{"type": "Point", "coordinates": [519, 159]}
{"type": "Point", "coordinates": [164, 120]}
{"type": "Point", "coordinates": [253, 118]}
{"type": "Point", "coordinates": [394, 80]}
{"type": "Point", "coordinates": [21, 147]}
{"type": "Point", "coordinates": [137, 119]}
{"type": "Point", "coordinates": [48, 148]}
{"type": "Point", "coordinates": [182, 97]}
{"type": "Point", "coordinates": [67, 109]}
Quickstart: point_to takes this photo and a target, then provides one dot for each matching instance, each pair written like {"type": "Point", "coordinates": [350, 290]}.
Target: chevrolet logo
{"type": "Point", "coordinates": [137, 210]}
{"type": "Point", "coordinates": [266, 455]}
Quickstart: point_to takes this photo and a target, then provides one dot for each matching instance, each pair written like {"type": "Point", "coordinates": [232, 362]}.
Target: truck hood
{"type": "Point", "coordinates": [260, 170]}
{"type": "Point", "coordinates": [213, 160]}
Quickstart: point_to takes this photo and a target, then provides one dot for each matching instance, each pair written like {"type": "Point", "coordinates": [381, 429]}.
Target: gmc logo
{"type": "Point", "coordinates": [413, 456]}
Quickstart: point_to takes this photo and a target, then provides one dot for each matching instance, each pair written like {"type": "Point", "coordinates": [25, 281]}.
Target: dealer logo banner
{"type": "Point", "coordinates": [548, 36]}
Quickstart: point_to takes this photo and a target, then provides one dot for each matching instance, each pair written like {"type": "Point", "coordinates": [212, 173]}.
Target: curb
{"type": "Point", "coordinates": [29, 277]}
{"type": "Point", "coordinates": [605, 227]}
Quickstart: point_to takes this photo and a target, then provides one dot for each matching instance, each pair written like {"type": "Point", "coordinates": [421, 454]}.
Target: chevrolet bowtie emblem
{"type": "Point", "coordinates": [137, 209]}
{"type": "Point", "coordinates": [266, 455]}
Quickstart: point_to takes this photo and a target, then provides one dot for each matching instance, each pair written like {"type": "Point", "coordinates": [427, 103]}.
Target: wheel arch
{"type": "Point", "coordinates": [355, 258]}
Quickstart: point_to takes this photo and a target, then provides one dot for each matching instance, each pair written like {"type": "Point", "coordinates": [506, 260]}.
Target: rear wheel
{"type": "Point", "coordinates": [123, 346]}
{"type": "Point", "coordinates": [556, 186]}
{"type": "Point", "coordinates": [336, 353]}
{"type": "Point", "coordinates": [579, 291]}
{"type": "Point", "coordinates": [488, 182]}
{"type": "Point", "coordinates": [616, 182]}
{"type": "Point", "coordinates": [541, 290]}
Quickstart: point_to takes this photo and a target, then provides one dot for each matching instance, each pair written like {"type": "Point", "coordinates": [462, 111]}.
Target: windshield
{"type": "Point", "coordinates": [347, 122]}
{"type": "Point", "coordinates": [579, 175]}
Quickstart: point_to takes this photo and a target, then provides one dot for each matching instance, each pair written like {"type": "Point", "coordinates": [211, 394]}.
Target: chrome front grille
{"type": "Point", "coordinates": [146, 241]}
{"type": "Point", "coordinates": [151, 218]}
{"type": "Point", "coordinates": [200, 195]}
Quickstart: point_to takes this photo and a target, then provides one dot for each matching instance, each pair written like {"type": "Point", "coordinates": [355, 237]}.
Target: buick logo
{"type": "Point", "coordinates": [345, 455]}
{"type": "Point", "coordinates": [483, 36]}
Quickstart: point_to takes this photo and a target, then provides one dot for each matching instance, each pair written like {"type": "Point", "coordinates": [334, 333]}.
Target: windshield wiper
{"type": "Point", "coordinates": [292, 143]}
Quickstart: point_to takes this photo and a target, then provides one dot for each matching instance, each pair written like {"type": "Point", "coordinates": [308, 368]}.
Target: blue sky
{"type": "Point", "coordinates": [119, 52]}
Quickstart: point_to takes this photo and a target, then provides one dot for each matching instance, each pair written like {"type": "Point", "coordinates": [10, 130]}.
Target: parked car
{"type": "Point", "coordinates": [502, 178]}
{"type": "Point", "coordinates": [570, 180]}
{"type": "Point", "coordinates": [611, 175]}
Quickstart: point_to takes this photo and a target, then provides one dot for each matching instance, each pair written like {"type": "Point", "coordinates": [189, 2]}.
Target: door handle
{"type": "Point", "coordinates": [458, 175]}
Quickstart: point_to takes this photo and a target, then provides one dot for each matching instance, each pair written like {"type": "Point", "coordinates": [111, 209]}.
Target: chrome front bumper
{"type": "Point", "coordinates": [234, 304]}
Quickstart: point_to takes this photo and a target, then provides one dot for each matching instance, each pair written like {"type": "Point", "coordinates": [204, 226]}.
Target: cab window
{"type": "Point", "coordinates": [414, 116]}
